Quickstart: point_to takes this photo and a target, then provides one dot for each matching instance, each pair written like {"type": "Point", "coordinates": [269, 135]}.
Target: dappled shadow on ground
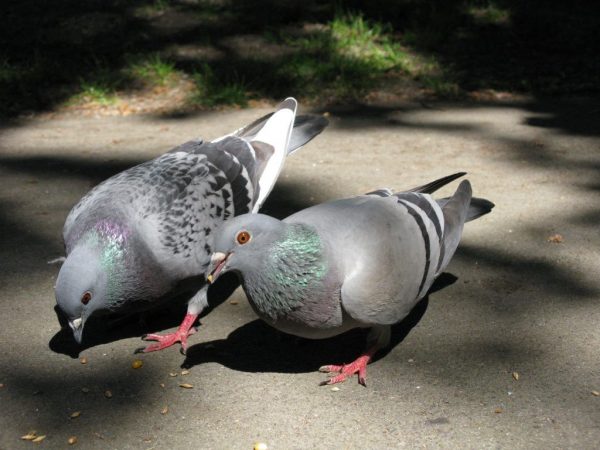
{"type": "Point", "coordinates": [576, 116]}
{"type": "Point", "coordinates": [464, 362]}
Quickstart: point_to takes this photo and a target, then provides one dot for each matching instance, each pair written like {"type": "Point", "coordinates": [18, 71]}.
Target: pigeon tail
{"type": "Point", "coordinates": [306, 127]}
{"type": "Point", "coordinates": [430, 188]}
{"type": "Point", "coordinates": [455, 210]}
{"type": "Point", "coordinates": [478, 207]}
{"type": "Point", "coordinates": [271, 146]}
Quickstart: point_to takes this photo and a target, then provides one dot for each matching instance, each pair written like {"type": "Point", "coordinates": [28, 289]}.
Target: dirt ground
{"type": "Point", "coordinates": [505, 355]}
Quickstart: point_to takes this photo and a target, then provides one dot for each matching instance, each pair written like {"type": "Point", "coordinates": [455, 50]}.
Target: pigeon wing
{"type": "Point", "coordinates": [175, 201]}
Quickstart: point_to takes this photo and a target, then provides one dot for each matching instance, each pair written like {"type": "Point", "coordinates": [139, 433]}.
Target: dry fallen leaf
{"type": "Point", "coordinates": [72, 440]}
{"type": "Point", "coordinates": [186, 385]}
{"type": "Point", "coordinates": [137, 364]}
{"type": "Point", "coordinates": [515, 375]}
{"type": "Point", "coordinates": [185, 372]}
{"type": "Point", "coordinates": [39, 439]}
{"type": "Point", "coordinates": [30, 436]}
{"type": "Point", "coordinates": [164, 410]}
{"type": "Point", "coordinates": [556, 239]}
{"type": "Point", "coordinates": [83, 360]}
{"type": "Point", "coordinates": [75, 414]}
{"type": "Point", "coordinates": [108, 393]}
{"type": "Point", "coordinates": [85, 390]}
{"type": "Point", "coordinates": [596, 393]}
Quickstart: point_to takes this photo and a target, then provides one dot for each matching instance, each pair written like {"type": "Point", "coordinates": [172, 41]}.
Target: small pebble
{"type": "Point", "coordinates": [173, 374]}
{"type": "Point", "coordinates": [186, 385]}
{"type": "Point", "coordinates": [335, 389]}
{"type": "Point", "coordinates": [75, 414]}
{"type": "Point", "coordinates": [260, 446]}
{"type": "Point", "coordinates": [596, 393]}
{"type": "Point", "coordinates": [85, 390]}
{"type": "Point", "coordinates": [83, 360]}
{"type": "Point", "coordinates": [39, 439]}
{"type": "Point", "coordinates": [108, 393]}
{"type": "Point", "coordinates": [162, 385]}
{"type": "Point", "coordinates": [515, 375]}
{"type": "Point", "coordinates": [72, 440]}
{"type": "Point", "coordinates": [185, 372]}
{"type": "Point", "coordinates": [164, 410]}
{"type": "Point", "coordinates": [498, 410]}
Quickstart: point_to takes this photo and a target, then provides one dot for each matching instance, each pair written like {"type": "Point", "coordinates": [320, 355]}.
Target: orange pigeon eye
{"type": "Point", "coordinates": [243, 237]}
{"type": "Point", "coordinates": [86, 298]}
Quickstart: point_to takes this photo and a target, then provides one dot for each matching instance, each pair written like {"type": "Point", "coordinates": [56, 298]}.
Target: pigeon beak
{"type": "Point", "coordinates": [218, 261]}
{"type": "Point", "coordinates": [77, 327]}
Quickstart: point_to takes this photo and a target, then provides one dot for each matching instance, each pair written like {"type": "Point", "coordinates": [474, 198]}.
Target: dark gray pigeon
{"type": "Point", "coordinates": [359, 262]}
{"type": "Point", "coordinates": [135, 237]}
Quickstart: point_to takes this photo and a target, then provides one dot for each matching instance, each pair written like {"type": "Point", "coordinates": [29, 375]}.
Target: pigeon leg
{"type": "Point", "coordinates": [359, 365]}
{"type": "Point", "coordinates": [185, 330]}
{"type": "Point", "coordinates": [378, 338]}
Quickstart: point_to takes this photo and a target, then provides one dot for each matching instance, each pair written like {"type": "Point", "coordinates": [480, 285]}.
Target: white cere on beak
{"type": "Point", "coordinates": [217, 256]}
{"type": "Point", "coordinates": [76, 323]}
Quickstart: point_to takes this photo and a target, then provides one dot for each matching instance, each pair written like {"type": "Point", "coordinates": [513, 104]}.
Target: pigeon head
{"type": "Point", "coordinates": [241, 243]}
{"type": "Point", "coordinates": [81, 287]}
{"type": "Point", "coordinates": [90, 279]}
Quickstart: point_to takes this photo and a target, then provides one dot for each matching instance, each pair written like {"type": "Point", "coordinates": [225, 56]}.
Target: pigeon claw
{"type": "Point", "coordinates": [163, 341]}
{"type": "Point", "coordinates": [185, 330]}
{"type": "Point", "coordinates": [359, 366]}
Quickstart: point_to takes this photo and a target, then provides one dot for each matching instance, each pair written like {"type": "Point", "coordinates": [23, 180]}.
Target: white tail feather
{"type": "Point", "coordinates": [276, 132]}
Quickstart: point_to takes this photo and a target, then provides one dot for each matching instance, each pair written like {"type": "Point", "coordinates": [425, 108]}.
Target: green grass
{"type": "Point", "coordinates": [100, 88]}
{"type": "Point", "coordinates": [490, 14]}
{"type": "Point", "coordinates": [317, 52]}
{"type": "Point", "coordinates": [344, 59]}
{"type": "Point", "coordinates": [151, 69]}
{"type": "Point", "coordinates": [351, 56]}
{"type": "Point", "coordinates": [366, 41]}
{"type": "Point", "coordinates": [212, 90]}
{"type": "Point", "coordinates": [160, 5]}
{"type": "Point", "coordinates": [96, 92]}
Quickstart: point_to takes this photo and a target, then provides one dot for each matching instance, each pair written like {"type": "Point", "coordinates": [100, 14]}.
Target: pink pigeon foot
{"type": "Point", "coordinates": [185, 330]}
{"type": "Point", "coordinates": [347, 370]}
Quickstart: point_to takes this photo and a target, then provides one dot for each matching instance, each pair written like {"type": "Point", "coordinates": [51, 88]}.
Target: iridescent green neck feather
{"type": "Point", "coordinates": [110, 240]}
{"type": "Point", "coordinates": [293, 266]}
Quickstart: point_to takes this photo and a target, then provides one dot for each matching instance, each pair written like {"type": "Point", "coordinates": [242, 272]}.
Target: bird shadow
{"type": "Point", "coordinates": [257, 347]}
{"type": "Point", "coordinates": [109, 328]}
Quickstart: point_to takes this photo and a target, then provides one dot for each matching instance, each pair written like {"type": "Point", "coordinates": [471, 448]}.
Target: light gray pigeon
{"type": "Point", "coordinates": [358, 262]}
{"type": "Point", "coordinates": [133, 239]}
